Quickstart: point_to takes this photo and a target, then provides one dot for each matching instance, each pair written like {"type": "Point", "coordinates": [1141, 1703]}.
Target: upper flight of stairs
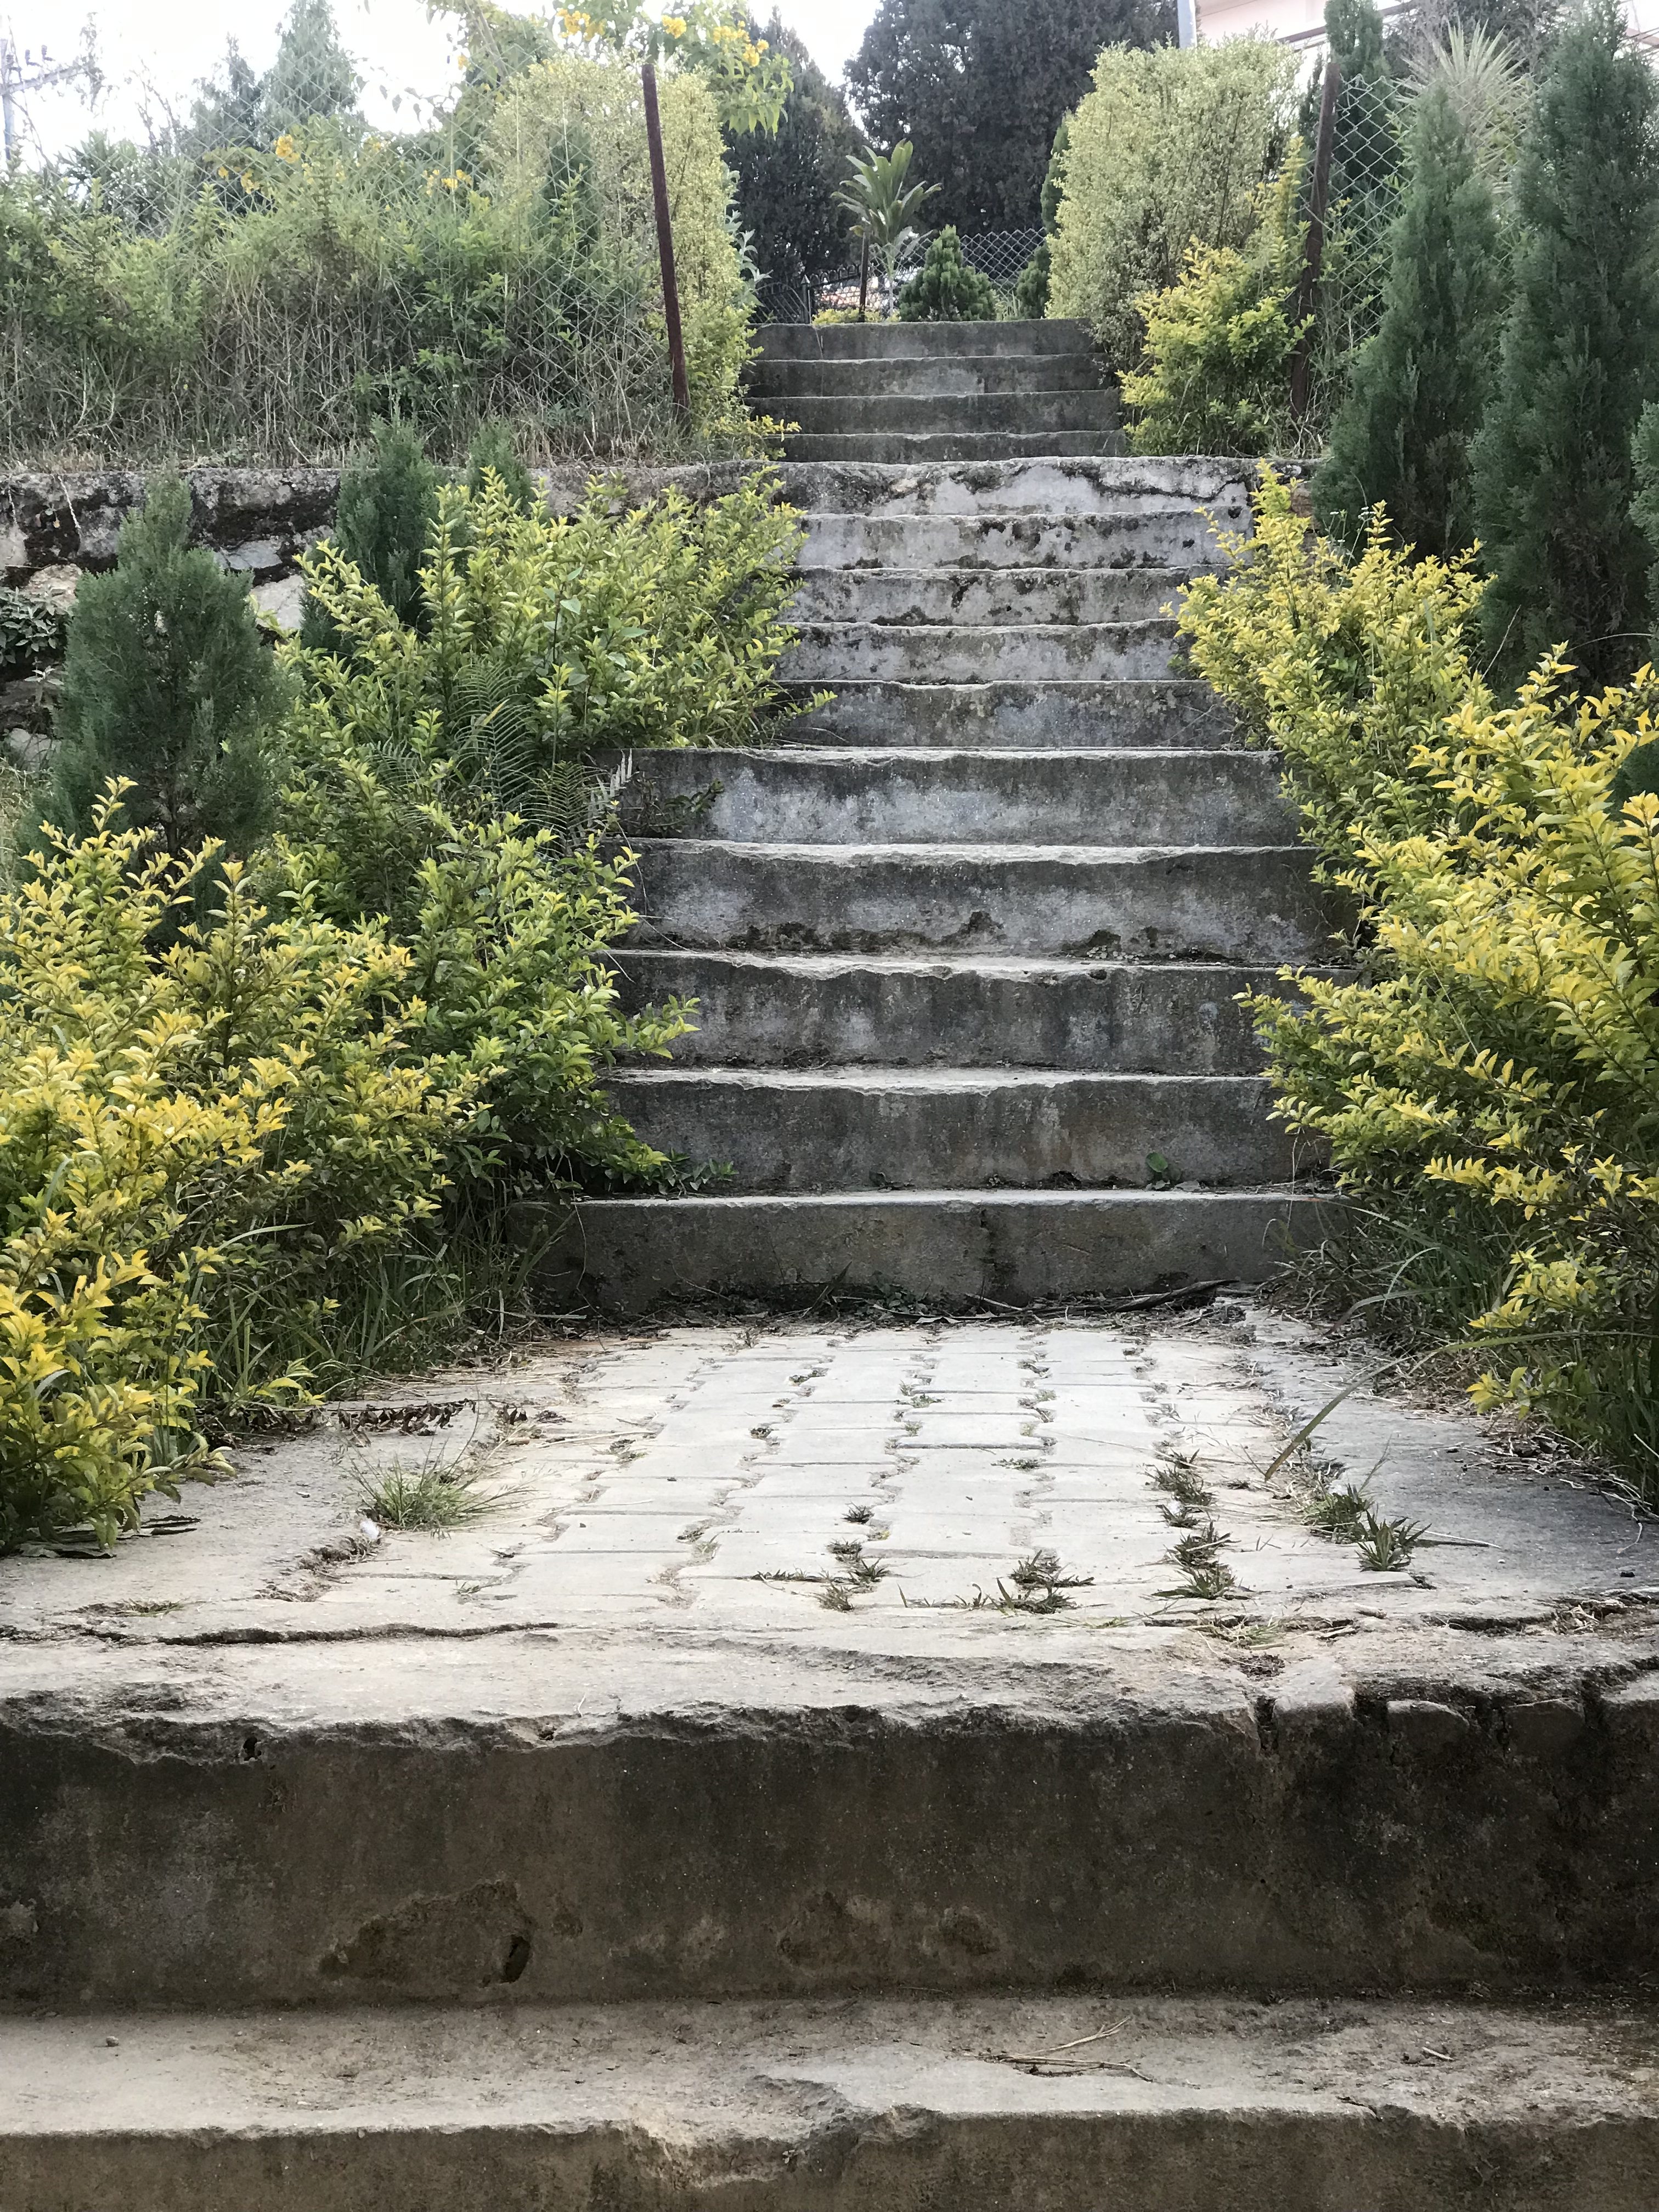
{"type": "Point", "coordinates": [934, 391]}
{"type": "Point", "coordinates": [967, 943]}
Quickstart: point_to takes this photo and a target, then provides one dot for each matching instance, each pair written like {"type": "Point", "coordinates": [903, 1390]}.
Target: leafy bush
{"type": "Point", "coordinates": [387, 504]}
{"type": "Point", "coordinates": [166, 684]}
{"type": "Point", "coordinates": [32, 632]}
{"type": "Point", "coordinates": [1169, 147]}
{"type": "Point", "coordinates": [541, 638]}
{"type": "Point", "coordinates": [1219, 343]}
{"type": "Point", "coordinates": [944, 289]}
{"type": "Point", "coordinates": [1490, 1088]}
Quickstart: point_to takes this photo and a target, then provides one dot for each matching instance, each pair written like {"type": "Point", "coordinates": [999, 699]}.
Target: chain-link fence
{"type": "Point", "coordinates": [1364, 199]}
{"type": "Point", "coordinates": [999, 254]}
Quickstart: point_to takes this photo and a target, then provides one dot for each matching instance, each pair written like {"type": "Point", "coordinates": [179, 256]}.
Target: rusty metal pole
{"type": "Point", "coordinates": [1318, 201]}
{"type": "Point", "coordinates": [864, 278]}
{"type": "Point", "coordinates": [671, 289]}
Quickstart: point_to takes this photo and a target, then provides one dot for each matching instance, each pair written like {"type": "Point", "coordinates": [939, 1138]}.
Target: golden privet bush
{"type": "Point", "coordinates": [1489, 1087]}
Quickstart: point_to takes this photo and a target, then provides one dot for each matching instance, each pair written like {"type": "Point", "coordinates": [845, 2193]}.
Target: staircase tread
{"type": "Point", "coordinates": [866, 1075]}
{"type": "Point", "coordinates": [1080, 854]}
{"type": "Point", "coordinates": [777, 2088]}
{"type": "Point", "coordinates": [1046, 965]}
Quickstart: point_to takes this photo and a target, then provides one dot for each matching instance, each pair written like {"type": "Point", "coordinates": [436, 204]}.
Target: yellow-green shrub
{"type": "Point", "coordinates": [1490, 1087]}
{"type": "Point", "coordinates": [1219, 343]}
{"type": "Point", "coordinates": [1168, 148]}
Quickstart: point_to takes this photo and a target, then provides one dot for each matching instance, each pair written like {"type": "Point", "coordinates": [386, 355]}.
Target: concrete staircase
{"type": "Point", "coordinates": [967, 944]}
{"type": "Point", "coordinates": [934, 391]}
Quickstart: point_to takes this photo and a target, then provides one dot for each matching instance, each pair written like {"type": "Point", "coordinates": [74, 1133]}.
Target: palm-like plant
{"type": "Point", "coordinates": [884, 208]}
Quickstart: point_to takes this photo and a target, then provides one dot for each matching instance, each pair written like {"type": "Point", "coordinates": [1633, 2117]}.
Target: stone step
{"type": "Point", "coordinates": [1040, 489]}
{"type": "Point", "coordinates": [925, 414]}
{"type": "Point", "coordinates": [847, 795]}
{"type": "Point", "coordinates": [941, 653]}
{"type": "Point", "coordinates": [978, 596]}
{"type": "Point", "coordinates": [1257, 904]}
{"type": "Point", "coordinates": [805, 1130]}
{"type": "Point", "coordinates": [774, 384]}
{"type": "Point", "coordinates": [916, 449]}
{"type": "Point", "coordinates": [1177, 536]}
{"type": "Point", "coordinates": [864, 2105]}
{"type": "Point", "coordinates": [896, 341]}
{"type": "Point", "coordinates": [1014, 717]}
{"type": "Point", "coordinates": [810, 1008]}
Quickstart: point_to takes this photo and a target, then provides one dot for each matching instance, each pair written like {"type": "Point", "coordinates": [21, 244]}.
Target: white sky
{"type": "Point", "coordinates": [152, 50]}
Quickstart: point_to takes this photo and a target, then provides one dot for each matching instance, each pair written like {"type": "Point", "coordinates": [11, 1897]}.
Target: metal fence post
{"type": "Point", "coordinates": [1318, 200]}
{"type": "Point", "coordinates": [671, 290]}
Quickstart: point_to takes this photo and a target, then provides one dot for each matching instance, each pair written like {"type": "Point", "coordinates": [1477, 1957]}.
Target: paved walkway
{"type": "Point", "coordinates": [834, 1482]}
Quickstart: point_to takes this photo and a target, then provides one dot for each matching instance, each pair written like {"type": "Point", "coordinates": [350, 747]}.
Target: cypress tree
{"type": "Point", "coordinates": [1420, 386]}
{"type": "Point", "coordinates": [388, 504]}
{"type": "Point", "coordinates": [1554, 470]}
{"type": "Point", "coordinates": [167, 682]}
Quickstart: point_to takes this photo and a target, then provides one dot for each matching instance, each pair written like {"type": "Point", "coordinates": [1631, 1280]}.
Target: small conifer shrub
{"type": "Point", "coordinates": [945, 289]}
{"type": "Point", "coordinates": [388, 504]}
{"type": "Point", "coordinates": [167, 684]}
{"type": "Point", "coordinates": [1420, 386]}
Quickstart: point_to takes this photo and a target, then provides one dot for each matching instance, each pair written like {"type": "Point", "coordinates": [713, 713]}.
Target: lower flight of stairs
{"type": "Point", "coordinates": [967, 944]}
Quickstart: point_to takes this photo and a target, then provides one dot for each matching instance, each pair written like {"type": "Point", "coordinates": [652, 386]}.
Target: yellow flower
{"type": "Point", "coordinates": [675, 26]}
{"type": "Point", "coordinates": [461, 61]}
{"type": "Point", "coordinates": [285, 150]}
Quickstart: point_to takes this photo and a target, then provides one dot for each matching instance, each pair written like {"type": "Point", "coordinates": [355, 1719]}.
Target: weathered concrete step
{"type": "Point", "coordinates": [284, 1818]}
{"type": "Point", "coordinates": [864, 2105]}
{"type": "Point", "coordinates": [930, 415]}
{"type": "Point", "coordinates": [1174, 537]}
{"type": "Point", "coordinates": [897, 341]}
{"type": "Point", "coordinates": [846, 795]}
{"type": "Point", "coordinates": [941, 653]}
{"type": "Point", "coordinates": [977, 596]}
{"type": "Point", "coordinates": [1042, 489]}
{"type": "Point", "coordinates": [774, 383]}
{"type": "Point", "coordinates": [911, 449]}
{"type": "Point", "coordinates": [1251, 903]}
{"type": "Point", "coordinates": [811, 1009]}
{"type": "Point", "coordinates": [953, 1128]}
{"type": "Point", "coordinates": [1014, 717]}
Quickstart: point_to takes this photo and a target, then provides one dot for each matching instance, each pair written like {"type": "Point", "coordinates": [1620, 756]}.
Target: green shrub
{"type": "Point", "coordinates": [387, 505]}
{"type": "Point", "coordinates": [1402, 438]}
{"type": "Point", "coordinates": [1219, 343]}
{"type": "Point", "coordinates": [1554, 470]}
{"type": "Point", "coordinates": [494, 448]}
{"type": "Point", "coordinates": [1489, 1088]}
{"type": "Point", "coordinates": [944, 289]}
{"type": "Point", "coordinates": [1645, 503]}
{"type": "Point", "coordinates": [1168, 148]}
{"type": "Point", "coordinates": [167, 685]}
{"type": "Point", "coordinates": [32, 633]}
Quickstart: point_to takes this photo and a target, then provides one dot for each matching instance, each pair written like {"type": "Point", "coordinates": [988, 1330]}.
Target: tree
{"type": "Point", "coordinates": [1552, 465]}
{"type": "Point", "coordinates": [980, 87]}
{"type": "Point", "coordinates": [1420, 386]}
{"type": "Point", "coordinates": [884, 208]}
{"type": "Point", "coordinates": [228, 109]}
{"type": "Point", "coordinates": [787, 180]}
{"type": "Point", "coordinates": [312, 78]}
{"type": "Point", "coordinates": [167, 682]}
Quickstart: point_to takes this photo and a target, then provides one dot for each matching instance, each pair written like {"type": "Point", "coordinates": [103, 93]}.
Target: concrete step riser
{"type": "Point", "coordinates": [1038, 489]}
{"type": "Point", "coordinates": [1027, 414]}
{"type": "Point", "coordinates": [1255, 906]}
{"type": "Point", "coordinates": [913, 798]}
{"type": "Point", "coordinates": [1005, 596]}
{"type": "Point", "coordinates": [1171, 538]}
{"type": "Point", "coordinates": [834, 652]}
{"type": "Point", "coordinates": [774, 384]}
{"type": "Point", "coordinates": [804, 1134]}
{"type": "Point", "coordinates": [1162, 1021]}
{"type": "Point", "coordinates": [902, 449]}
{"type": "Point", "coordinates": [1015, 717]}
{"type": "Point", "coordinates": [897, 341]}
{"type": "Point", "coordinates": [1266, 1837]}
